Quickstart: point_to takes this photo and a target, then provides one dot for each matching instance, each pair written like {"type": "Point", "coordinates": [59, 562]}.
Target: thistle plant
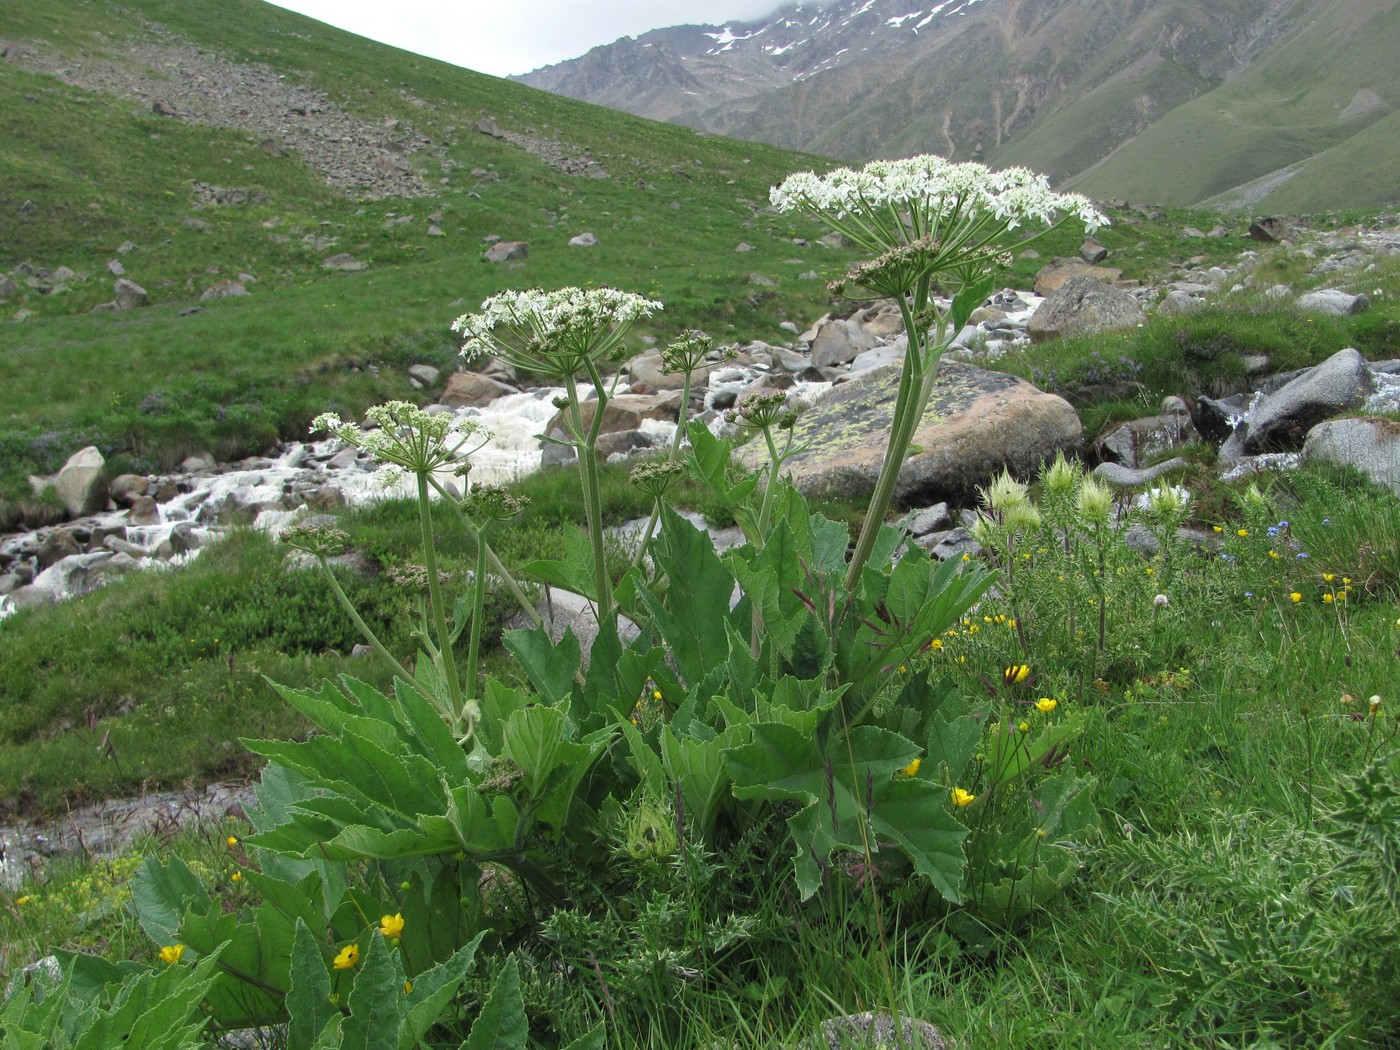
{"type": "Point", "coordinates": [563, 335]}
{"type": "Point", "coordinates": [928, 224]}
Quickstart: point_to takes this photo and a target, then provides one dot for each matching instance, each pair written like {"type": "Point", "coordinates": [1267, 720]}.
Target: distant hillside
{"type": "Point", "coordinates": [203, 148]}
{"type": "Point", "coordinates": [1283, 105]}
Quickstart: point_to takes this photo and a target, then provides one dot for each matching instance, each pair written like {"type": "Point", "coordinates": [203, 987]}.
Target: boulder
{"type": "Point", "coordinates": [1371, 445]}
{"type": "Point", "coordinates": [344, 262]}
{"type": "Point", "coordinates": [977, 424]}
{"type": "Point", "coordinates": [583, 240]}
{"type": "Point", "coordinates": [625, 412]}
{"type": "Point", "coordinates": [224, 289]}
{"type": "Point", "coordinates": [645, 369]}
{"type": "Point", "coordinates": [1055, 276]}
{"type": "Point", "coordinates": [1271, 230]}
{"type": "Point", "coordinates": [129, 294]}
{"type": "Point", "coordinates": [1083, 306]}
{"type": "Point", "coordinates": [425, 374]}
{"type": "Point", "coordinates": [1332, 301]}
{"type": "Point", "coordinates": [1092, 252]}
{"type": "Point", "coordinates": [506, 251]}
{"type": "Point", "coordinates": [82, 483]}
{"type": "Point", "coordinates": [838, 342]}
{"type": "Point", "coordinates": [1179, 302]}
{"type": "Point", "coordinates": [1281, 421]}
{"type": "Point", "coordinates": [126, 489]}
{"type": "Point", "coordinates": [472, 389]}
{"type": "Point", "coordinates": [1134, 442]}
{"type": "Point", "coordinates": [56, 545]}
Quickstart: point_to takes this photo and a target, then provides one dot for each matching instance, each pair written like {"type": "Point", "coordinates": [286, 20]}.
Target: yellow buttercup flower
{"type": "Point", "coordinates": [1046, 704]}
{"type": "Point", "coordinates": [232, 840]}
{"type": "Point", "coordinates": [1329, 599]}
{"type": "Point", "coordinates": [1328, 577]}
{"type": "Point", "coordinates": [912, 768]}
{"type": "Point", "coordinates": [237, 876]}
{"type": "Point", "coordinates": [1241, 533]}
{"type": "Point", "coordinates": [347, 957]}
{"type": "Point", "coordinates": [171, 953]}
{"type": "Point", "coordinates": [1016, 674]}
{"type": "Point", "coordinates": [391, 925]}
{"type": "Point", "coordinates": [961, 798]}
{"type": "Point", "coordinates": [1295, 597]}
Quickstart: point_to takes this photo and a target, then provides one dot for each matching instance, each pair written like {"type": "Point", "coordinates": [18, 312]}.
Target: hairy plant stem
{"type": "Point", "coordinates": [916, 381]}
{"type": "Point", "coordinates": [492, 559]}
{"type": "Point", "coordinates": [478, 614]}
{"type": "Point", "coordinates": [586, 446]}
{"type": "Point", "coordinates": [671, 457]}
{"type": "Point", "coordinates": [359, 622]}
{"type": "Point", "coordinates": [444, 639]}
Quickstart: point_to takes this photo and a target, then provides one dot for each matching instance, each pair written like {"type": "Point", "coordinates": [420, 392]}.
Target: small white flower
{"type": "Point", "coordinates": [1161, 601]}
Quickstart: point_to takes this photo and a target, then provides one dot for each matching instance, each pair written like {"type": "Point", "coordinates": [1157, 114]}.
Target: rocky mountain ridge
{"type": "Point", "coordinates": [1174, 101]}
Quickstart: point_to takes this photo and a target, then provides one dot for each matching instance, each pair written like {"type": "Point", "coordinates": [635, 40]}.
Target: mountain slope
{"type": "Point", "coordinates": [1170, 101]}
{"type": "Point", "coordinates": [244, 185]}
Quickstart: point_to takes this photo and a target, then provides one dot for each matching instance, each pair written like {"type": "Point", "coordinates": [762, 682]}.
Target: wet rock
{"type": "Point", "coordinates": [472, 389]}
{"type": "Point", "coordinates": [82, 483]}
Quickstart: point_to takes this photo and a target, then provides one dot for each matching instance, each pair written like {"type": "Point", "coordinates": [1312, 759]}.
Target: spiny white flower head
{"type": "Point", "coordinates": [405, 437]}
{"type": "Point", "coordinates": [937, 195]}
{"type": "Point", "coordinates": [553, 333]}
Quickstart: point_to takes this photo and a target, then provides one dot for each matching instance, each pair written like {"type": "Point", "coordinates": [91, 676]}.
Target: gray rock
{"type": "Point", "coordinates": [56, 545]}
{"type": "Point", "coordinates": [1281, 421]}
{"type": "Point", "coordinates": [466, 389]}
{"type": "Point", "coordinates": [838, 342]}
{"type": "Point", "coordinates": [115, 268]}
{"type": "Point", "coordinates": [343, 262]}
{"type": "Point", "coordinates": [1123, 477]}
{"type": "Point", "coordinates": [425, 374]}
{"type": "Point", "coordinates": [128, 489]}
{"type": "Point", "coordinates": [1137, 440]}
{"type": "Point", "coordinates": [224, 289]}
{"type": "Point", "coordinates": [198, 461]}
{"type": "Point", "coordinates": [930, 519]}
{"type": "Point", "coordinates": [1083, 306]}
{"type": "Point", "coordinates": [742, 248]}
{"type": "Point", "coordinates": [1179, 302]}
{"type": "Point", "coordinates": [583, 240]}
{"type": "Point", "coordinates": [506, 251]}
{"type": "Point", "coordinates": [977, 424]}
{"type": "Point", "coordinates": [130, 295]}
{"type": "Point", "coordinates": [8, 288]}
{"type": "Point", "coordinates": [1332, 301]}
{"type": "Point", "coordinates": [1055, 276]}
{"type": "Point", "coordinates": [435, 231]}
{"type": "Point", "coordinates": [876, 1031]}
{"type": "Point", "coordinates": [82, 483]}
{"type": "Point", "coordinates": [1371, 445]}
{"type": "Point", "coordinates": [1092, 252]}
{"type": "Point", "coordinates": [1271, 230]}
{"type": "Point", "coordinates": [145, 511]}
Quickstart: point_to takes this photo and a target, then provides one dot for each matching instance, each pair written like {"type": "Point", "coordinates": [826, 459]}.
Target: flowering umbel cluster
{"type": "Point", "coordinates": [405, 436]}
{"type": "Point", "coordinates": [555, 334]}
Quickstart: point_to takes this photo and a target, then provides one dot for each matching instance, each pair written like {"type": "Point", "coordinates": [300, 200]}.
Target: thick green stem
{"type": "Point", "coordinates": [439, 617]}
{"type": "Point", "coordinates": [359, 622]}
{"type": "Point", "coordinates": [681, 419]}
{"type": "Point", "coordinates": [497, 567]}
{"type": "Point", "coordinates": [592, 494]}
{"type": "Point", "coordinates": [478, 614]}
{"type": "Point", "coordinates": [915, 386]}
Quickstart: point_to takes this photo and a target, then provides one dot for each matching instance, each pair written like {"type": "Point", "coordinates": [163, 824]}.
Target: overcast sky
{"type": "Point", "coordinates": [503, 37]}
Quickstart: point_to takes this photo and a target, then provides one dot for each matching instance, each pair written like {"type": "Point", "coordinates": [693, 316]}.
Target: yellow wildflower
{"type": "Point", "coordinates": [912, 769]}
{"type": "Point", "coordinates": [237, 876]}
{"type": "Point", "coordinates": [1218, 528]}
{"type": "Point", "coordinates": [1328, 577]}
{"type": "Point", "coordinates": [1329, 599]}
{"type": "Point", "coordinates": [1295, 597]}
{"type": "Point", "coordinates": [1016, 674]}
{"type": "Point", "coordinates": [391, 925]}
{"type": "Point", "coordinates": [21, 901]}
{"type": "Point", "coordinates": [937, 643]}
{"type": "Point", "coordinates": [1024, 727]}
{"type": "Point", "coordinates": [1241, 533]}
{"type": "Point", "coordinates": [171, 953]}
{"type": "Point", "coordinates": [1046, 704]}
{"type": "Point", "coordinates": [347, 957]}
{"type": "Point", "coordinates": [961, 798]}
{"type": "Point", "coordinates": [232, 840]}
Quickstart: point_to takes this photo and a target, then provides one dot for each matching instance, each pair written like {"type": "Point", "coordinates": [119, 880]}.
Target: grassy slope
{"type": "Point", "coordinates": [102, 170]}
{"type": "Point", "coordinates": [1281, 111]}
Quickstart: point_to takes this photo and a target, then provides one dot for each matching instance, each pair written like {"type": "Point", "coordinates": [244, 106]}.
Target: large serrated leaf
{"type": "Point", "coordinates": [309, 998]}
{"type": "Point", "coordinates": [377, 1007]}
{"type": "Point", "coordinates": [501, 1025]}
{"type": "Point", "coordinates": [162, 894]}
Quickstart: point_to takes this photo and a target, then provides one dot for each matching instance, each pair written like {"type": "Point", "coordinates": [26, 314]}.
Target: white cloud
{"type": "Point", "coordinates": [504, 37]}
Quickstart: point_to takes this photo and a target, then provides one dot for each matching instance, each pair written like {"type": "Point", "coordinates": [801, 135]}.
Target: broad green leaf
{"type": "Point", "coordinates": [913, 814]}
{"type": "Point", "coordinates": [420, 723]}
{"type": "Point", "coordinates": [377, 1007]}
{"type": "Point", "coordinates": [432, 991]}
{"type": "Point", "coordinates": [162, 894]}
{"type": "Point", "coordinates": [501, 1025]}
{"type": "Point", "coordinates": [693, 617]}
{"type": "Point", "coordinates": [951, 745]}
{"type": "Point", "coordinates": [574, 573]}
{"type": "Point", "coordinates": [967, 300]}
{"type": "Point", "coordinates": [309, 998]}
{"type": "Point", "coordinates": [550, 667]}
{"type": "Point", "coordinates": [532, 741]}
{"type": "Point", "coordinates": [697, 768]}
{"type": "Point", "coordinates": [644, 758]}
{"type": "Point", "coordinates": [589, 1040]}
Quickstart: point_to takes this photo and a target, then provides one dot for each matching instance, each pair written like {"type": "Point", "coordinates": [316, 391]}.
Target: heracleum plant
{"type": "Point", "coordinates": [562, 335]}
{"type": "Point", "coordinates": [933, 227]}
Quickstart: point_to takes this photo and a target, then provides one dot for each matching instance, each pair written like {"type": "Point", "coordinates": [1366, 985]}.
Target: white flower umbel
{"type": "Point", "coordinates": [564, 334]}
{"type": "Point", "coordinates": [406, 437]}
{"type": "Point", "coordinates": [556, 334]}
{"type": "Point", "coordinates": [925, 220]}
